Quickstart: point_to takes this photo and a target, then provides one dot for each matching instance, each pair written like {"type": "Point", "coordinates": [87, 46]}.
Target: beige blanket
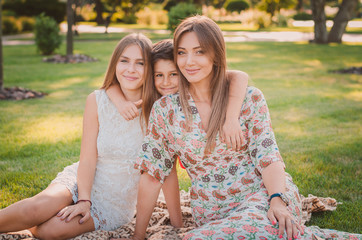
{"type": "Point", "coordinates": [160, 228]}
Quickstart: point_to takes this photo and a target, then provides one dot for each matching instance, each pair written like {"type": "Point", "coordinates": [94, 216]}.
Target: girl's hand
{"type": "Point", "coordinates": [232, 134]}
{"type": "Point", "coordinates": [81, 208]}
{"type": "Point", "coordinates": [278, 212]}
{"type": "Point", "coordinates": [129, 110]}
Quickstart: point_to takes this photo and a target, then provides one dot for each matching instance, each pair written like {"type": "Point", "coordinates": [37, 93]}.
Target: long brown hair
{"type": "Point", "coordinates": [162, 50]}
{"type": "Point", "coordinates": [143, 43]}
{"type": "Point", "coordinates": [211, 39]}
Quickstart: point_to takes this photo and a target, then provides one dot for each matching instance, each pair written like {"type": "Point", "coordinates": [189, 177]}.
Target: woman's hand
{"type": "Point", "coordinates": [278, 212]}
{"type": "Point", "coordinates": [129, 110]}
{"type": "Point", "coordinates": [81, 208]}
{"type": "Point", "coordinates": [232, 134]}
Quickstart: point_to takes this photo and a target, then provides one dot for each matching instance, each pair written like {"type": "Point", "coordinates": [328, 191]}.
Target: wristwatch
{"type": "Point", "coordinates": [281, 195]}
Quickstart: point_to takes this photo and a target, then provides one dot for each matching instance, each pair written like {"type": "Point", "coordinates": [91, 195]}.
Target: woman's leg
{"type": "Point", "coordinates": [34, 211]}
{"type": "Point", "coordinates": [55, 228]}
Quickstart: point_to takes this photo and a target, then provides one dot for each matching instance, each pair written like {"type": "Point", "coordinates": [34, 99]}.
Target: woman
{"type": "Point", "coordinates": [241, 194]}
{"type": "Point", "coordinates": [98, 192]}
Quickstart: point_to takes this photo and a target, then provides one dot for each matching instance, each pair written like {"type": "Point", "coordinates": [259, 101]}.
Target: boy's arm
{"type": "Point", "coordinates": [231, 131]}
{"type": "Point", "coordinates": [127, 109]}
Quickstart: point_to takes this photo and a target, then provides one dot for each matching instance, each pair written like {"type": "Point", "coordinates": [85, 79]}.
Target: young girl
{"type": "Point", "coordinates": [98, 192]}
{"type": "Point", "coordinates": [241, 194]}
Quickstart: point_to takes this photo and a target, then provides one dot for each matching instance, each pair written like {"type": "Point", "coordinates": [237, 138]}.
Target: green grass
{"type": "Point", "coordinates": [316, 116]}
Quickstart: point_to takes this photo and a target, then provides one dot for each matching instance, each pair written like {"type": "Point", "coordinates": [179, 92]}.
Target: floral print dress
{"type": "Point", "coordinates": [228, 197]}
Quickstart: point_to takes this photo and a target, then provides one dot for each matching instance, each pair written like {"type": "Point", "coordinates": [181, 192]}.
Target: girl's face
{"type": "Point", "coordinates": [165, 77]}
{"type": "Point", "coordinates": [193, 61]}
{"type": "Point", "coordinates": [130, 69]}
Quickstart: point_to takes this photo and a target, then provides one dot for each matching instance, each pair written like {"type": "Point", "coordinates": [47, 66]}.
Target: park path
{"type": "Point", "coordinates": [230, 36]}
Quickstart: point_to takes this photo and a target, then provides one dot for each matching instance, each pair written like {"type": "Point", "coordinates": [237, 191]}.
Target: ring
{"type": "Point", "coordinates": [292, 221]}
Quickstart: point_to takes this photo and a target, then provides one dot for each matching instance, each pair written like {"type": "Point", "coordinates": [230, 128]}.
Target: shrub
{"type": "Point", "coordinates": [303, 16]}
{"type": "Point", "coordinates": [255, 18]}
{"type": "Point", "coordinates": [10, 25]}
{"type": "Point", "coordinates": [237, 5]}
{"type": "Point", "coordinates": [47, 37]}
{"type": "Point", "coordinates": [27, 24]}
{"type": "Point", "coordinates": [149, 16]}
{"type": "Point", "coordinates": [180, 12]}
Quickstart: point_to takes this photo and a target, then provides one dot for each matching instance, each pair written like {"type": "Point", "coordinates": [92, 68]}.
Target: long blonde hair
{"type": "Point", "coordinates": [145, 45]}
{"type": "Point", "coordinates": [211, 39]}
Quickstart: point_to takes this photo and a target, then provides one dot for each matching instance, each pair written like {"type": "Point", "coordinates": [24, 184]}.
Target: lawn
{"type": "Point", "coordinates": [316, 116]}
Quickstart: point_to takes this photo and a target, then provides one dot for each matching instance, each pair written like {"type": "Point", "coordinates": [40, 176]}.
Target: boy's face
{"type": "Point", "coordinates": [166, 77]}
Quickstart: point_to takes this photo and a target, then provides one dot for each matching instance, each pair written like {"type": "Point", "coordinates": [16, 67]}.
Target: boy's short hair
{"type": "Point", "coordinates": [162, 50]}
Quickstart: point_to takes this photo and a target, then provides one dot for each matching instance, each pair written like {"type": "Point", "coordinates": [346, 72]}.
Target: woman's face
{"type": "Point", "coordinates": [165, 77]}
{"type": "Point", "coordinates": [193, 61]}
{"type": "Point", "coordinates": [130, 69]}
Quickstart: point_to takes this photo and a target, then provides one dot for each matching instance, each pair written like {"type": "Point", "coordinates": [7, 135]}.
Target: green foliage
{"type": "Point", "coordinates": [27, 24]}
{"type": "Point", "coordinates": [53, 8]}
{"type": "Point", "coordinates": [47, 37]}
{"type": "Point", "coordinates": [180, 12]}
{"type": "Point", "coordinates": [10, 25]}
{"type": "Point", "coordinates": [303, 16]}
{"type": "Point", "coordinates": [273, 6]}
{"type": "Point", "coordinates": [236, 5]}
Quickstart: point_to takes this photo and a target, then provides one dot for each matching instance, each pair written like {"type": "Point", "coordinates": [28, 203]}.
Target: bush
{"type": "Point", "coordinates": [10, 26]}
{"type": "Point", "coordinates": [237, 5]}
{"type": "Point", "coordinates": [303, 16]}
{"type": "Point", "coordinates": [27, 24]}
{"type": "Point", "coordinates": [47, 37]}
{"type": "Point", "coordinates": [149, 17]}
{"type": "Point", "coordinates": [256, 18]}
{"type": "Point", "coordinates": [180, 12]}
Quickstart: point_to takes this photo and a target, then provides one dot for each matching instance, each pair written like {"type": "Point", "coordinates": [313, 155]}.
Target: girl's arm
{"type": "Point", "coordinates": [127, 109]}
{"type": "Point", "coordinates": [231, 131]}
{"type": "Point", "coordinates": [172, 196]}
{"type": "Point", "coordinates": [148, 190]}
{"type": "Point", "coordinates": [87, 163]}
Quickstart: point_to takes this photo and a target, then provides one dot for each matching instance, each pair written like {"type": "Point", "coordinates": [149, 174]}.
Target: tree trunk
{"type": "Point", "coordinates": [299, 7]}
{"type": "Point", "coordinates": [70, 21]}
{"type": "Point", "coordinates": [319, 18]}
{"type": "Point", "coordinates": [345, 13]}
{"type": "Point", "coordinates": [99, 11]}
{"type": "Point", "coordinates": [108, 18]}
{"type": "Point", "coordinates": [1, 50]}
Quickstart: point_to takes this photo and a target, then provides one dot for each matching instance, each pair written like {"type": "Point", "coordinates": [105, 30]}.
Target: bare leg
{"type": "Point", "coordinates": [55, 228]}
{"type": "Point", "coordinates": [34, 211]}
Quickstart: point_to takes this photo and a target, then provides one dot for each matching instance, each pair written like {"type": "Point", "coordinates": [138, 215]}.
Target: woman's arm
{"type": "Point", "coordinates": [87, 163]}
{"type": "Point", "coordinates": [127, 109]}
{"type": "Point", "coordinates": [172, 196]}
{"type": "Point", "coordinates": [231, 131]}
{"type": "Point", "coordinates": [148, 190]}
{"type": "Point", "coordinates": [274, 181]}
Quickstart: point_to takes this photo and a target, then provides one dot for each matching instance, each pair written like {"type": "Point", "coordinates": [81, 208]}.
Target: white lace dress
{"type": "Point", "coordinates": [114, 190]}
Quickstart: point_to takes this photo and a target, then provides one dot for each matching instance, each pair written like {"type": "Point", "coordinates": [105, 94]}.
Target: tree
{"type": "Point", "coordinates": [1, 50]}
{"type": "Point", "coordinates": [347, 10]}
{"type": "Point", "coordinates": [70, 21]}
{"type": "Point", "coordinates": [99, 10]}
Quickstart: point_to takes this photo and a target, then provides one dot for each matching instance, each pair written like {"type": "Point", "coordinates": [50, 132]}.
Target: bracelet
{"type": "Point", "coordinates": [84, 200]}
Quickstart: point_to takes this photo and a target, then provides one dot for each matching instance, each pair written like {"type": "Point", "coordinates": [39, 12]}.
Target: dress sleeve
{"type": "Point", "coordinates": [157, 156]}
{"type": "Point", "coordinates": [263, 147]}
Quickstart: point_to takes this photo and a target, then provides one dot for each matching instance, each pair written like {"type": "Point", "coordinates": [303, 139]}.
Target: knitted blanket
{"type": "Point", "coordinates": [160, 228]}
